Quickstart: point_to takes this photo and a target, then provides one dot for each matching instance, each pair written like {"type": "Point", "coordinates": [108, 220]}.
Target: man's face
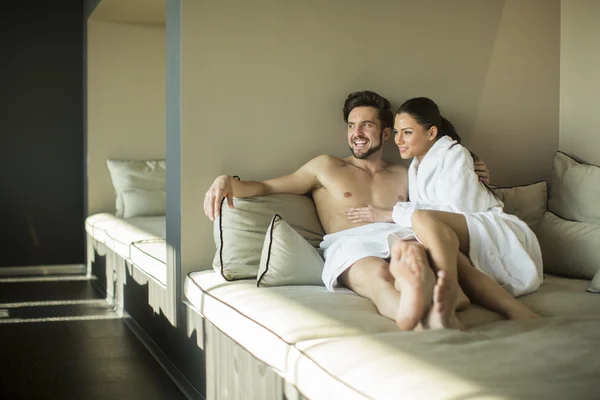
{"type": "Point", "coordinates": [365, 134]}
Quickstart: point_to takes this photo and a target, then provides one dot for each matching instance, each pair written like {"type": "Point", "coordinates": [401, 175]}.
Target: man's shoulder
{"type": "Point", "coordinates": [327, 160]}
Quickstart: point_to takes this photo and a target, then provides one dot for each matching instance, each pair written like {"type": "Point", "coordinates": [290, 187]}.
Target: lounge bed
{"type": "Point", "coordinates": [287, 339]}
{"type": "Point", "coordinates": [136, 243]}
{"type": "Point", "coordinates": [134, 237]}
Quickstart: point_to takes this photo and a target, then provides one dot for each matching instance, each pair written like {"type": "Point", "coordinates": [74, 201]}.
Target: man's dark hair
{"type": "Point", "coordinates": [368, 98]}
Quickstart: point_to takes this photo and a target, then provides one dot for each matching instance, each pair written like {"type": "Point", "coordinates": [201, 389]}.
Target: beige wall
{"type": "Point", "coordinates": [126, 101]}
{"type": "Point", "coordinates": [580, 79]}
{"type": "Point", "coordinates": [263, 84]}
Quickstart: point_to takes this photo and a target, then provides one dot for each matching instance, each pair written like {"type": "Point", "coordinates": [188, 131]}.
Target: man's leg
{"type": "Point", "coordinates": [414, 278]}
{"type": "Point", "coordinates": [371, 277]}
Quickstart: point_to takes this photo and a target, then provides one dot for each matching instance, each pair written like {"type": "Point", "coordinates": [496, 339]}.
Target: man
{"type": "Point", "coordinates": [339, 185]}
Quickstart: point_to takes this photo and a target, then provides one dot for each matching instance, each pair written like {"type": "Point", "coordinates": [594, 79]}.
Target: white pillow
{"type": "Point", "coordinates": [144, 203]}
{"type": "Point", "coordinates": [527, 202]}
{"type": "Point", "coordinates": [287, 259]}
{"type": "Point", "coordinates": [138, 178]}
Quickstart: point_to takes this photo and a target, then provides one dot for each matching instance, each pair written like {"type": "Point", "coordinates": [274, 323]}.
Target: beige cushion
{"type": "Point", "coordinates": [569, 248]}
{"type": "Point", "coordinates": [239, 233]}
{"type": "Point", "coordinates": [575, 190]}
{"type": "Point", "coordinates": [526, 202]}
{"type": "Point", "coordinates": [288, 259]}
{"type": "Point", "coordinates": [563, 297]}
{"type": "Point", "coordinates": [134, 180]}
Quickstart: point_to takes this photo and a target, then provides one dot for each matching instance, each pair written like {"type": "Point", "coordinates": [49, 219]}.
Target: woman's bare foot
{"type": "Point", "coordinates": [414, 280]}
{"type": "Point", "coordinates": [443, 311]}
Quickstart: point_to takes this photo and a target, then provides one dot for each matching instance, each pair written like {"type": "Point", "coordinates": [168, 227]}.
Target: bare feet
{"type": "Point", "coordinates": [414, 279]}
{"type": "Point", "coordinates": [443, 311]}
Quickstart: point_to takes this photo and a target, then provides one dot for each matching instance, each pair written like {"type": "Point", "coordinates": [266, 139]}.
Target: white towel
{"type": "Point", "coordinates": [342, 249]}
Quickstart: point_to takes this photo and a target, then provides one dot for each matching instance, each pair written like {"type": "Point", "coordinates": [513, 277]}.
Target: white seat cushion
{"type": "Point", "coordinates": [554, 357]}
{"type": "Point", "coordinates": [319, 339]}
{"type": "Point", "coordinates": [119, 234]}
{"type": "Point", "coordinates": [268, 321]}
{"type": "Point", "coordinates": [151, 257]}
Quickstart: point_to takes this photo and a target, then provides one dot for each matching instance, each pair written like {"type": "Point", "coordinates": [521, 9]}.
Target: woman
{"type": "Point", "coordinates": [451, 213]}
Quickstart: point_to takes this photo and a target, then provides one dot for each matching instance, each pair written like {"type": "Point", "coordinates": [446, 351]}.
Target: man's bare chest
{"type": "Point", "coordinates": [357, 188]}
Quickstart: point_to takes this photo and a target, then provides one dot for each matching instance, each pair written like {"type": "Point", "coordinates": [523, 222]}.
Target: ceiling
{"type": "Point", "coordinates": [131, 11]}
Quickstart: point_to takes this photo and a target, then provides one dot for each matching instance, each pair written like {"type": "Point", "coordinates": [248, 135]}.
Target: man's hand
{"type": "Point", "coordinates": [221, 188]}
{"type": "Point", "coordinates": [369, 214]}
{"type": "Point", "coordinates": [482, 171]}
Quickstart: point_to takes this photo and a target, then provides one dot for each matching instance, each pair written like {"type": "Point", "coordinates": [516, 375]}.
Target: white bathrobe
{"type": "Point", "coordinates": [501, 245]}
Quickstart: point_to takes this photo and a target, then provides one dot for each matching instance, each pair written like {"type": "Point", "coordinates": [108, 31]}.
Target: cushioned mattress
{"type": "Point", "coordinates": [335, 345]}
{"type": "Point", "coordinates": [139, 240]}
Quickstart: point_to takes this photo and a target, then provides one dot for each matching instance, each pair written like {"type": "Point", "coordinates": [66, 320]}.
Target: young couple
{"type": "Point", "coordinates": [467, 248]}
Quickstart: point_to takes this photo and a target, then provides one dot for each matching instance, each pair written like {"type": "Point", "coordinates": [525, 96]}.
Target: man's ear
{"type": "Point", "coordinates": [387, 132]}
{"type": "Point", "coordinates": [433, 132]}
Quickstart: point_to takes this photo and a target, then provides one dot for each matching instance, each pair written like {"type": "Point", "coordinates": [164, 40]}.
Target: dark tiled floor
{"type": "Point", "coordinates": [11, 292]}
{"type": "Point", "coordinates": [59, 311]}
{"type": "Point", "coordinates": [91, 359]}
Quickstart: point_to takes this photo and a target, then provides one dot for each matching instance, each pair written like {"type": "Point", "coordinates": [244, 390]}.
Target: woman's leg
{"type": "Point", "coordinates": [481, 289]}
{"type": "Point", "coordinates": [443, 242]}
{"type": "Point", "coordinates": [435, 227]}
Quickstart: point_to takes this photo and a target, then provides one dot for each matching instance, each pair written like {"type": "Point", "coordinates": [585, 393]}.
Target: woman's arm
{"type": "Point", "coordinates": [460, 188]}
{"type": "Point", "coordinates": [457, 190]}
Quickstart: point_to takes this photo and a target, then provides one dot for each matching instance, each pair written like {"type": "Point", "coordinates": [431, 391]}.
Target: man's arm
{"type": "Point", "coordinates": [303, 181]}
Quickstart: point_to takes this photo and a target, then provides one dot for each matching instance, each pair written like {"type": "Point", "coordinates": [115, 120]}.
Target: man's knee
{"type": "Point", "coordinates": [402, 246]}
{"type": "Point", "coordinates": [367, 275]}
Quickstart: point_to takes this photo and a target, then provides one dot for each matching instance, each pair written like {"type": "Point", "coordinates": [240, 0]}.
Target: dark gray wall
{"type": "Point", "coordinates": [41, 133]}
{"type": "Point", "coordinates": [88, 7]}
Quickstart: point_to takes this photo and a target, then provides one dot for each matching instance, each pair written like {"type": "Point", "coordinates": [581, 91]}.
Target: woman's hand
{"type": "Point", "coordinates": [482, 171]}
{"type": "Point", "coordinates": [369, 214]}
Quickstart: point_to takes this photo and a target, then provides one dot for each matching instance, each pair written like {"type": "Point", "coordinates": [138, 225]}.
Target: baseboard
{"type": "Point", "coordinates": [188, 390]}
{"type": "Point", "coordinates": [67, 269]}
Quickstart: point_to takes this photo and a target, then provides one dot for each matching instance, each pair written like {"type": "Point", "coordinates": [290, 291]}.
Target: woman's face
{"type": "Point", "coordinates": [412, 139]}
